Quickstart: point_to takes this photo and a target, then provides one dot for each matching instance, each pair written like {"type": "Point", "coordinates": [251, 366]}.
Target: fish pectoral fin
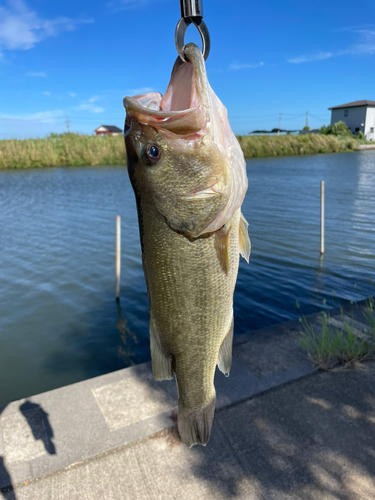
{"type": "Point", "coordinates": [161, 364]}
{"type": "Point", "coordinates": [222, 247]}
{"type": "Point", "coordinates": [224, 361]}
{"type": "Point", "coordinates": [244, 240]}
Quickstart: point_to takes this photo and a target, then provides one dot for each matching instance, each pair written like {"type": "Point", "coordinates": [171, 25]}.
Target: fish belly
{"type": "Point", "coordinates": [191, 314]}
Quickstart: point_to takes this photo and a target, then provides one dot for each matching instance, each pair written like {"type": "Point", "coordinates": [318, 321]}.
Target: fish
{"type": "Point", "coordinates": [189, 177]}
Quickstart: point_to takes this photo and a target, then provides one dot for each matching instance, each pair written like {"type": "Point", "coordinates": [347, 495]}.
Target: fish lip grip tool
{"type": "Point", "coordinates": [191, 13]}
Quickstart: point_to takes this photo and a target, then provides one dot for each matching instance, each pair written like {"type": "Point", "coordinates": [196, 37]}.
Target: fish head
{"type": "Point", "coordinates": [182, 153]}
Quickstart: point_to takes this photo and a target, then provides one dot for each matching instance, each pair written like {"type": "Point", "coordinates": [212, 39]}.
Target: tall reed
{"type": "Point", "coordinates": [76, 150]}
{"type": "Point", "coordinates": [284, 145]}
{"type": "Point", "coordinates": [62, 150]}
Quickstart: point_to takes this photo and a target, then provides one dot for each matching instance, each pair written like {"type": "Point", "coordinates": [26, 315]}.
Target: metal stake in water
{"type": "Point", "coordinates": [118, 255]}
{"type": "Point", "coordinates": [321, 217]}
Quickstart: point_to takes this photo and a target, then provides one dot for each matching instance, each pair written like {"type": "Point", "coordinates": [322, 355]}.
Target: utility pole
{"type": "Point", "coordinates": [278, 133]}
{"type": "Point", "coordinates": [67, 124]}
{"type": "Point", "coordinates": [307, 119]}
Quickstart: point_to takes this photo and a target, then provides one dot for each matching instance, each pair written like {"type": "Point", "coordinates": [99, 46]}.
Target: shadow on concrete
{"type": "Point", "coordinates": [8, 492]}
{"type": "Point", "coordinates": [41, 429]}
{"type": "Point", "coordinates": [311, 439]}
{"type": "Point", "coordinates": [5, 478]}
{"type": "Point", "coordinates": [39, 424]}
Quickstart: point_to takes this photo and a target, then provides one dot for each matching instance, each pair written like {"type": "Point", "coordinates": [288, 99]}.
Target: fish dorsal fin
{"type": "Point", "coordinates": [244, 240]}
{"type": "Point", "coordinates": [222, 247]}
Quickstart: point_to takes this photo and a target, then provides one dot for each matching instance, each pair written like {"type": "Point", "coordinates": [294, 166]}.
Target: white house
{"type": "Point", "coordinates": [358, 116]}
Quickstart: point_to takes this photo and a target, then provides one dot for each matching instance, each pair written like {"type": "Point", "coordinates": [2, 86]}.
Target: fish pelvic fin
{"type": "Point", "coordinates": [161, 363]}
{"type": "Point", "coordinates": [194, 426]}
{"type": "Point", "coordinates": [244, 240]}
{"type": "Point", "coordinates": [222, 247]}
{"type": "Point", "coordinates": [225, 353]}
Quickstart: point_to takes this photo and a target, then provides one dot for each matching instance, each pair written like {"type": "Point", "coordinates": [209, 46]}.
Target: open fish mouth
{"type": "Point", "coordinates": [180, 110]}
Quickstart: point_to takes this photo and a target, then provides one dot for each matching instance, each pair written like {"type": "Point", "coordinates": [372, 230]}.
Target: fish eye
{"type": "Point", "coordinates": [152, 154]}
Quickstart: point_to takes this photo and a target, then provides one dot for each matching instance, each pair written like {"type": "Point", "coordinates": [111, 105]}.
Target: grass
{"type": "Point", "coordinates": [283, 145]}
{"type": "Point", "coordinates": [62, 150]}
{"type": "Point", "coordinates": [78, 150]}
{"type": "Point", "coordinates": [333, 348]}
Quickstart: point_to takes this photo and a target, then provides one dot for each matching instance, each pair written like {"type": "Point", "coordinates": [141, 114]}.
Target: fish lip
{"type": "Point", "coordinates": [182, 109]}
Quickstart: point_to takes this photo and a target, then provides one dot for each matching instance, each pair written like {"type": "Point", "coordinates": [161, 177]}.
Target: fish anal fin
{"type": "Point", "coordinates": [194, 426]}
{"type": "Point", "coordinates": [161, 364]}
{"type": "Point", "coordinates": [244, 240]}
{"type": "Point", "coordinates": [224, 361]}
{"type": "Point", "coordinates": [222, 247]}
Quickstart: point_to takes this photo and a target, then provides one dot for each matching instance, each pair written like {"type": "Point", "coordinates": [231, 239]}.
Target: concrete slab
{"type": "Point", "coordinates": [312, 439]}
{"type": "Point", "coordinates": [127, 401]}
{"type": "Point", "coordinates": [359, 329]}
{"type": "Point", "coordinates": [20, 443]}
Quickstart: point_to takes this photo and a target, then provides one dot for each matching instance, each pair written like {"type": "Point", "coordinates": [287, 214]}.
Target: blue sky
{"type": "Point", "coordinates": [79, 59]}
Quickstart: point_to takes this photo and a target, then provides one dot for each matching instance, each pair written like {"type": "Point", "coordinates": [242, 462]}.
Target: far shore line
{"type": "Point", "coordinates": [84, 150]}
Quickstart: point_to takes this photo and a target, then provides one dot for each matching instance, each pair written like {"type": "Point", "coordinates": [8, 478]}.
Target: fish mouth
{"type": "Point", "coordinates": [182, 109]}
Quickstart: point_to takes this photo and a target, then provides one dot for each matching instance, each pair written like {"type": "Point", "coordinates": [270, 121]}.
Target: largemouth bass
{"type": "Point", "coordinates": [189, 177]}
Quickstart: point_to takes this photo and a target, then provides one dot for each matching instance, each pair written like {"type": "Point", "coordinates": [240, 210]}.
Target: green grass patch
{"type": "Point", "coordinates": [334, 348]}
{"type": "Point", "coordinates": [307, 144]}
{"type": "Point", "coordinates": [62, 150]}
{"type": "Point", "coordinates": [79, 150]}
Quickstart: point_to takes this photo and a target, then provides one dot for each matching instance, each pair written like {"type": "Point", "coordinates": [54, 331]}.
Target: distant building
{"type": "Point", "coordinates": [358, 116]}
{"type": "Point", "coordinates": [108, 130]}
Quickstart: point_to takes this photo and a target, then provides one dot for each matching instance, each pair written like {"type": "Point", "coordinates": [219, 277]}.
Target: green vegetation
{"type": "Point", "coordinates": [284, 145]}
{"type": "Point", "coordinates": [62, 150]}
{"type": "Point", "coordinates": [333, 348]}
{"type": "Point", "coordinates": [76, 150]}
{"type": "Point", "coordinates": [339, 129]}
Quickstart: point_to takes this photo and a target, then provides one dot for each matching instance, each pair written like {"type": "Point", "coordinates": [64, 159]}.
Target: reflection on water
{"type": "Point", "coordinates": [127, 337]}
{"type": "Point", "coordinates": [59, 320]}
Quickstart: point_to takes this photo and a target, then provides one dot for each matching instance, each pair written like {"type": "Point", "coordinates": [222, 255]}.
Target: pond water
{"type": "Point", "coordinates": [59, 322]}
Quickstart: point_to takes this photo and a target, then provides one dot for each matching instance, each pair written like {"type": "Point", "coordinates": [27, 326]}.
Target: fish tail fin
{"type": "Point", "coordinates": [225, 353]}
{"type": "Point", "coordinates": [161, 364]}
{"type": "Point", "coordinates": [195, 425]}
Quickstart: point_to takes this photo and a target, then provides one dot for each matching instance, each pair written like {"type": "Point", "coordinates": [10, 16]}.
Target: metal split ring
{"type": "Point", "coordinates": [179, 35]}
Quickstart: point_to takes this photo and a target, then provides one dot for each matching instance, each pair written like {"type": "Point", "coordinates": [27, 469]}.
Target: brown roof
{"type": "Point", "coordinates": [354, 104]}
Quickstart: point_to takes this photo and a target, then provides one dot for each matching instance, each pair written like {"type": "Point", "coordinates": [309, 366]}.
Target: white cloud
{"type": "Point", "coordinates": [364, 46]}
{"type": "Point", "coordinates": [89, 105]}
{"type": "Point", "coordinates": [46, 93]}
{"type": "Point", "coordinates": [319, 56]}
{"type": "Point", "coordinates": [22, 28]}
{"type": "Point", "coordinates": [237, 66]}
{"type": "Point", "coordinates": [36, 74]}
{"type": "Point", "coordinates": [72, 94]}
{"type": "Point", "coordinates": [94, 98]}
{"type": "Point", "coordinates": [92, 108]}
{"type": "Point", "coordinates": [130, 4]}
{"type": "Point", "coordinates": [42, 116]}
